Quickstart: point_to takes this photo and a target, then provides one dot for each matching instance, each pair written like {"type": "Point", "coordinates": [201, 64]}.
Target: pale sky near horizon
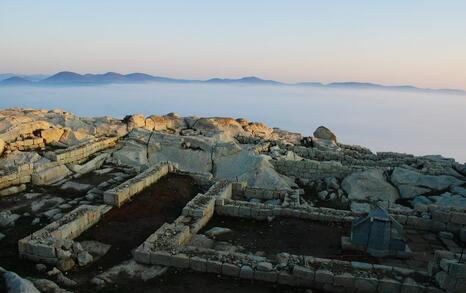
{"type": "Point", "coordinates": [418, 42]}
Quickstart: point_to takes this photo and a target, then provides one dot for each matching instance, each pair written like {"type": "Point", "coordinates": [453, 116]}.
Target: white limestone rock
{"type": "Point", "coordinates": [50, 175]}
{"type": "Point", "coordinates": [323, 132]}
{"type": "Point", "coordinates": [133, 270]}
{"type": "Point", "coordinates": [410, 177]}
{"type": "Point", "coordinates": [131, 154]}
{"type": "Point", "coordinates": [411, 191]}
{"type": "Point", "coordinates": [7, 218]}
{"type": "Point", "coordinates": [16, 284]}
{"type": "Point", "coordinates": [91, 165]}
{"type": "Point", "coordinates": [370, 186]}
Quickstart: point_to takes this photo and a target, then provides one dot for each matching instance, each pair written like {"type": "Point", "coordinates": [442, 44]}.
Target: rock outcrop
{"type": "Point", "coordinates": [369, 185]}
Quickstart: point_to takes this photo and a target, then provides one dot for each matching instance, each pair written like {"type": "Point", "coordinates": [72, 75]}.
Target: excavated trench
{"type": "Point", "coordinates": [294, 236]}
{"type": "Point", "coordinates": [127, 227]}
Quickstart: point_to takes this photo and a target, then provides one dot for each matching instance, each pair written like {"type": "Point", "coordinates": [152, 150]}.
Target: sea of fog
{"type": "Point", "coordinates": [417, 123]}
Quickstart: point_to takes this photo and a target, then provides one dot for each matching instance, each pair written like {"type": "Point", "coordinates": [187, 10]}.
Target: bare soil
{"type": "Point", "coordinates": [295, 236]}
{"type": "Point", "coordinates": [127, 227]}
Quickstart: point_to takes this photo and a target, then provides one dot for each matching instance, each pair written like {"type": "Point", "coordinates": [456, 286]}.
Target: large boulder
{"type": "Point", "coordinates": [229, 126]}
{"type": "Point", "coordinates": [131, 154]}
{"type": "Point", "coordinates": [2, 146]}
{"type": "Point", "coordinates": [403, 176]}
{"type": "Point", "coordinates": [135, 121]}
{"type": "Point", "coordinates": [171, 123]}
{"type": "Point", "coordinates": [369, 186]}
{"type": "Point", "coordinates": [448, 199]}
{"type": "Point", "coordinates": [323, 132]}
{"type": "Point", "coordinates": [16, 284]}
{"type": "Point", "coordinates": [258, 129]}
{"type": "Point", "coordinates": [191, 153]}
{"type": "Point", "coordinates": [91, 165]}
{"type": "Point", "coordinates": [51, 134]}
{"type": "Point", "coordinates": [411, 191]}
{"type": "Point", "coordinates": [18, 158]}
{"type": "Point", "coordinates": [72, 137]}
{"type": "Point", "coordinates": [256, 170]}
{"type": "Point", "coordinates": [50, 175]}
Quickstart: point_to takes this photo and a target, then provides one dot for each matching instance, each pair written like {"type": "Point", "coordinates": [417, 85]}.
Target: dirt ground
{"type": "Point", "coordinates": [295, 236]}
{"type": "Point", "coordinates": [127, 227]}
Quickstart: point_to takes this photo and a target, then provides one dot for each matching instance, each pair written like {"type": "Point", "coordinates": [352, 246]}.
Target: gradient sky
{"type": "Point", "coordinates": [419, 42]}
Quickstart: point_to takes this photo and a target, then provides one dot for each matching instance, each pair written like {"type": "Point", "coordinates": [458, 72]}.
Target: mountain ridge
{"type": "Point", "coordinates": [69, 78]}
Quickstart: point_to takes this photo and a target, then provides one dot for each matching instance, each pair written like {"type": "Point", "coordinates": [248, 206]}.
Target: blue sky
{"type": "Point", "coordinates": [393, 42]}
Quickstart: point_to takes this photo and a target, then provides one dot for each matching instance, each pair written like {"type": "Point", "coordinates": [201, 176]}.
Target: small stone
{"type": "Point", "coordinates": [84, 258]}
{"type": "Point", "coordinates": [65, 281]}
{"type": "Point", "coordinates": [264, 266]}
{"type": "Point", "coordinates": [217, 231]}
{"type": "Point", "coordinates": [322, 194]}
{"type": "Point", "coordinates": [41, 267]}
{"type": "Point", "coordinates": [65, 264]}
{"type": "Point", "coordinates": [53, 272]}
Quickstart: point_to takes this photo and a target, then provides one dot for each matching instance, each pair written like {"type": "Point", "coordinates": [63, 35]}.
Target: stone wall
{"type": "Point", "coordinates": [195, 216]}
{"type": "Point", "coordinates": [169, 246]}
{"type": "Point", "coordinates": [81, 151]}
{"type": "Point", "coordinates": [441, 218]}
{"type": "Point", "coordinates": [33, 143]}
{"type": "Point", "coordinates": [312, 170]}
{"type": "Point", "coordinates": [123, 192]}
{"type": "Point", "coordinates": [20, 175]}
{"type": "Point", "coordinates": [448, 271]}
{"type": "Point", "coordinates": [44, 245]}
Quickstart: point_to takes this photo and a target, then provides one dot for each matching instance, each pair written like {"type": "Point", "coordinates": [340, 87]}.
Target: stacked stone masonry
{"type": "Point", "coordinates": [42, 245]}
{"type": "Point", "coordinates": [81, 151]}
{"type": "Point", "coordinates": [119, 195]}
{"type": "Point", "coordinates": [168, 246]}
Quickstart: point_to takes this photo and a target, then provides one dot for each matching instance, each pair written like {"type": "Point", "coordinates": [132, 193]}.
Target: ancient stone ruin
{"type": "Point", "coordinates": [133, 204]}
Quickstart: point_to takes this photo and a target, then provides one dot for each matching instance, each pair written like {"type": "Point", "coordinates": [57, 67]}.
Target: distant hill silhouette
{"type": "Point", "coordinates": [247, 79]}
{"type": "Point", "coordinates": [68, 78]}
{"type": "Point", "coordinates": [16, 80]}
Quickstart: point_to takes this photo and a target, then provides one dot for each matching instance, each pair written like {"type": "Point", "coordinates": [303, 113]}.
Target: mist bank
{"type": "Point", "coordinates": [410, 122]}
{"type": "Point", "coordinates": [68, 78]}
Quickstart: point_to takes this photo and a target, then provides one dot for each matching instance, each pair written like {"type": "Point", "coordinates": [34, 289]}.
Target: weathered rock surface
{"type": "Point", "coordinates": [50, 175]}
{"type": "Point", "coordinates": [16, 284]}
{"type": "Point", "coordinates": [369, 185]}
{"type": "Point", "coordinates": [409, 177]}
{"type": "Point", "coordinates": [323, 132]}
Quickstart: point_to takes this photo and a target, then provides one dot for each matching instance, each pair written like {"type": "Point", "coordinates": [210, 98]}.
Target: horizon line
{"type": "Point", "coordinates": [374, 83]}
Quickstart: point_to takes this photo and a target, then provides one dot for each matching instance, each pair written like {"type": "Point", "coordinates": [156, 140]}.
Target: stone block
{"type": "Point", "coordinates": [230, 270]}
{"type": "Point", "coordinates": [387, 285]}
{"type": "Point", "coordinates": [160, 258]}
{"type": "Point", "coordinates": [441, 216]}
{"type": "Point", "coordinates": [244, 212]}
{"type": "Point", "coordinates": [344, 280]}
{"type": "Point", "coordinates": [142, 256]}
{"type": "Point", "coordinates": [457, 270]}
{"type": "Point", "coordinates": [459, 218]}
{"type": "Point", "coordinates": [198, 264]}
{"type": "Point", "coordinates": [324, 276]}
{"type": "Point", "coordinates": [271, 276]}
{"type": "Point", "coordinates": [246, 272]}
{"type": "Point", "coordinates": [180, 261]}
{"type": "Point", "coordinates": [214, 266]}
{"type": "Point", "coordinates": [43, 250]}
{"type": "Point", "coordinates": [411, 286]}
{"type": "Point", "coordinates": [366, 284]}
{"type": "Point", "coordinates": [286, 278]}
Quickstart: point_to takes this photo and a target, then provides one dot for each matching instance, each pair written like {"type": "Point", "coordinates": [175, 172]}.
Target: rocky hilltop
{"type": "Point", "coordinates": [54, 162]}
